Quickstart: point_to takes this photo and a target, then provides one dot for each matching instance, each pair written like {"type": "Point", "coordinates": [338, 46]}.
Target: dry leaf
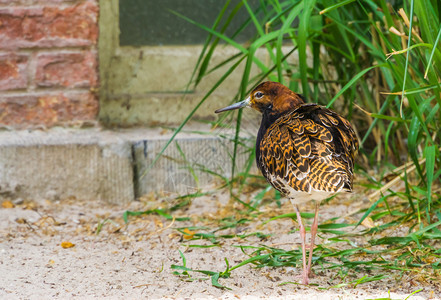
{"type": "Point", "coordinates": [188, 234]}
{"type": "Point", "coordinates": [21, 221]}
{"type": "Point", "coordinates": [368, 222]}
{"type": "Point", "coordinates": [7, 204]}
{"type": "Point", "coordinates": [396, 31]}
{"type": "Point", "coordinates": [66, 245]}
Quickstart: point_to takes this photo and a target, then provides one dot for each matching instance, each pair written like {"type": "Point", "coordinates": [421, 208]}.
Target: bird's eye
{"type": "Point", "coordinates": [258, 95]}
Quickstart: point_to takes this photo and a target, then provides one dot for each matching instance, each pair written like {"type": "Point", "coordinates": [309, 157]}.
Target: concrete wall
{"type": "Point", "coordinates": [115, 166]}
{"type": "Point", "coordinates": [145, 84]}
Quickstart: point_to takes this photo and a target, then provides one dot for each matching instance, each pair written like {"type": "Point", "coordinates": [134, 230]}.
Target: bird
{"type": "Point", "coordinates": [304, 150]}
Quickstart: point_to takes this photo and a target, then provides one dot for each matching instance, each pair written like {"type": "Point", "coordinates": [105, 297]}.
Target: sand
{"type": "Point", "coordinates": [134, 261]}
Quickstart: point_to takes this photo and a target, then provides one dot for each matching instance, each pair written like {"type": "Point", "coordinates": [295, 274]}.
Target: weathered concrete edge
{"type": "Point", "coordinates": [107, 165]}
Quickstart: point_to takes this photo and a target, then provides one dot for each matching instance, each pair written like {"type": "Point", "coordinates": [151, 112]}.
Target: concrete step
{"type": "Point", "coordinates": [115, 166]}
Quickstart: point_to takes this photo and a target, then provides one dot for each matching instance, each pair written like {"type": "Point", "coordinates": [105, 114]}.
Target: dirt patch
{"type": "Point", "coordinates": [134, 260]}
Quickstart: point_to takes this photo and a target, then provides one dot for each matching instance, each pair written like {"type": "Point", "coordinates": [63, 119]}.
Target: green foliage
{"type": "Point", "coordinates": [214, 276]}
{"type": "Point", "coordinates": [379, 64]}
{"type": "Point", "coordinates": [348, 52]}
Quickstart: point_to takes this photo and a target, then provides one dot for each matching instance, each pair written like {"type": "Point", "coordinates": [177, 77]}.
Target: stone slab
{"type": "Point", "coordinates": [186, 165]}
{"type": "Point", "coordinates": [60, 164]}
{"type": "Point", "coordinates": [115, 166]}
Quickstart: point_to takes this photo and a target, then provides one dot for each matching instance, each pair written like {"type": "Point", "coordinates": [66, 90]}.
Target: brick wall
{"type": "Point", "coordinates": [48, 62]}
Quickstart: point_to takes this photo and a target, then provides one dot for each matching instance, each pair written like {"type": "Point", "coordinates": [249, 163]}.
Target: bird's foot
{"type": "Point", "coordinates": [303, 278]}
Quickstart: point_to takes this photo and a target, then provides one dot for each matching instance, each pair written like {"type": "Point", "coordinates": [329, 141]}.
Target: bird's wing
{"type": "Point", "coordinates": [309, 148]}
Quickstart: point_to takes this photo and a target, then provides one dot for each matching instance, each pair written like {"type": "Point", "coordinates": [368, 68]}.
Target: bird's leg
{"type": "Point", "coordinates": [303, 238]}
{"type": "Point", "coordinates": [313, 233]}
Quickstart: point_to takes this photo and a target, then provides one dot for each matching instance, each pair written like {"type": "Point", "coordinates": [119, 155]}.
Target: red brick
{"type": "Point", "coordinates": [48, 110]}
{"type": "Point", "coordinates": [49, 26]}
{"type": "Point", "coordinates": [34, 2]}
{"type": "Point", "coordinates": [13, 72]}
{"type": "Point", "coordinates": [77, 69]}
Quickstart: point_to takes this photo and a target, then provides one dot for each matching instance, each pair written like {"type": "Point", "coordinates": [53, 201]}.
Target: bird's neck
{"type": "Point", "coordinates": [267, 120]}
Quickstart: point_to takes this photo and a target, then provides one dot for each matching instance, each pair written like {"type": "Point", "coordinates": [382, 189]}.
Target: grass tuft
{"type": "Point", "coordinates": [379, 64]}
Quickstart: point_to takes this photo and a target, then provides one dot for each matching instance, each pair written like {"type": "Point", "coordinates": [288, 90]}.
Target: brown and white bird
{"type": "Point", "coordinates": [305, 151]}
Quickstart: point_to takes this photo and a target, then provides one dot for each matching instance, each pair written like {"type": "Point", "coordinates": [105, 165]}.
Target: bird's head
{"type": "Point", "coordinates": [271, 97]}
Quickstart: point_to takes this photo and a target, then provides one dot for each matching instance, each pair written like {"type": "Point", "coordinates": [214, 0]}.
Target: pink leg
{"type": "Point", "coordinates": [313, 233]}
{"type": "Point", "coordinates": [303, 239]}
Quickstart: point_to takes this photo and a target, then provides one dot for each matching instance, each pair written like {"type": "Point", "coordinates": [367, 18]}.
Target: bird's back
{"type": "Point", "coordinates": [307, 153]}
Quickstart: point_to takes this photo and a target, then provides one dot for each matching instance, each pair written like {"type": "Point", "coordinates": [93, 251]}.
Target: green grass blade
{"type": "Point", "coordinates": [350, 83]}
{"type": "Point", "coordinates": [414, 130]}
{"type": "Point", "coordinates": [430, 170]}
{"type": "Point", "coordinates": [390, 118]}
{"type": "Point", "coordinates": [286, 25]}
{"type": "Point", "coordinates": [302, 43]}
{"type": "Point", "coordinates": [188, 164]}
{"type": "Point", "coordinates": [223, 37]}
{"type": "Point", "coordinates": [215, 86]}
{"type": "Point", "coordinates": [432, 53]}
{"type": "Point", "coordinates": [373, 206]}
{"type": "Point", "coordinates": [202, 59]}
{"type": "Point", "coordinates": [406, 67]}
{"type": "Point", "coordinates": [335, 6]}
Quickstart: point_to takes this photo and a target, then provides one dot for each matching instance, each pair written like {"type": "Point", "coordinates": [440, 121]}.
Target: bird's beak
{"type": "Point", "coordinates": [237, 105]}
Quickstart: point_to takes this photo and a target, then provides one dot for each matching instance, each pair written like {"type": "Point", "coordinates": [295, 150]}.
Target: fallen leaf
{"type": "Point", "coordinates": [368, 222]}
{"type": "Point", "coordinates": [66, 245]}
{"type": "Point", "coordinates": [21, 221]}
{"type": "Point", "coordinates": [188, 234]}
{"type": "Point", "coordinates": [7, 204]}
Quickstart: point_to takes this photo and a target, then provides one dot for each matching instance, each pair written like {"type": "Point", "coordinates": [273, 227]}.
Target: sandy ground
{"type": "Point", "coordinates": [134, 261]}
